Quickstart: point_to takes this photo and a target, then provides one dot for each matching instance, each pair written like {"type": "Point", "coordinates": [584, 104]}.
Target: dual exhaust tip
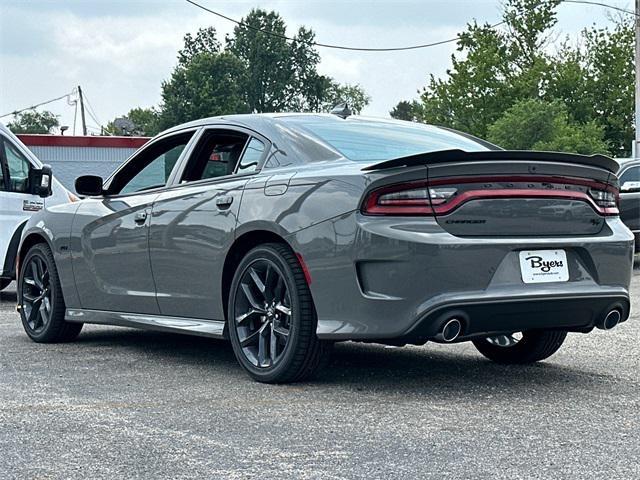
{"type": "Point", "coordinates": [452, 328]}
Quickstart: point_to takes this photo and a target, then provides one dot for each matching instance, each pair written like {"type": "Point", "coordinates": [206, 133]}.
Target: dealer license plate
{"type": "Point", "coordinates": [543, 266]}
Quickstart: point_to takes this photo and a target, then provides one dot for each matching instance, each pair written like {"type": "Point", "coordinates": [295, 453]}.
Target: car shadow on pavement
{"type": "Point", "coordinates": [8, 296]}
{"type": "Point", "coordinates": [459, 369]}
{"type": "Point", "coordinates": [368, 368]}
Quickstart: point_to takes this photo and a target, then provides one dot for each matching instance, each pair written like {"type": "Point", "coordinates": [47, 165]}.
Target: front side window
{"type": "Point", "coordinates": [152, 167]}
{"type": "Point", "coordinates": [17, 169]}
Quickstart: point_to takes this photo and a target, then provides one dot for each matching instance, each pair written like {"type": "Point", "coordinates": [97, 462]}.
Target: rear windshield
{"type": "Point", "coordinates": [367, 140]}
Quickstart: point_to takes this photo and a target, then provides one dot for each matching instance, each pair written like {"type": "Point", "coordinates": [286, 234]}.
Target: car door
{"type": "Point", "coordinates": [192, 224]}
{"type": "Point", "coordinates": [111, 260]}
{"type": "Point", "coordinates": [17, 203]}
{"type": "Point", "coordinates": [630, 197]}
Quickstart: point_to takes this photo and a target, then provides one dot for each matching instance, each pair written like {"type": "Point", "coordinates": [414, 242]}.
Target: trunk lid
{"type": "Point", "coordinates": [500, 193]}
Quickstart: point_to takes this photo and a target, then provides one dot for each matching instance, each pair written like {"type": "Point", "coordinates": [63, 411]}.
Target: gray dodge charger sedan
{"type": "Point", "coordinates": [285, 233]}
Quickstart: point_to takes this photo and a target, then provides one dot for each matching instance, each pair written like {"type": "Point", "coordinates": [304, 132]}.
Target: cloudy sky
{"type": "Point", "coordinates": [120, 51]}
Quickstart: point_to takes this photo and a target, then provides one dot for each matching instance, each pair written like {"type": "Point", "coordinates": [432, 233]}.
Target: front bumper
{"type": "Point", "coordinates": [395, 279]}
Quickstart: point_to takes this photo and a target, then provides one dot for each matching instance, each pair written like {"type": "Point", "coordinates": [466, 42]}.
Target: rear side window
{"type": "Point", "coordinates": [221, 153]}
{"type": "Point", "coordinates": [251, 156]}
{"type": "Point", "coordinates": [368, 140]}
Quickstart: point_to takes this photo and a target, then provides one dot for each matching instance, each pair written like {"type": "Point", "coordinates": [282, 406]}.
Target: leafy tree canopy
{"type": "Point", "coordinates": [254, 72]}
{"type": "Point", "coordinates": [535, 124]}
{"type": "Point", "coordinates": [32, 121]}
{"type": "Point", "coordinates": [206, 87]}
{"type": "Point", "coordinates": [497, 69]}
{"type": "Point", "coordinates": [353, 95]}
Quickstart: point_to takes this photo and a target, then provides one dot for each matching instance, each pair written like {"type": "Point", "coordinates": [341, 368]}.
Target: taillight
{"type": "Point", "coordinates": [604, 198]}
{"type": "Point", "coordinates": [409, 199]}
{"type": "Point", "coordinates": [444, 195]}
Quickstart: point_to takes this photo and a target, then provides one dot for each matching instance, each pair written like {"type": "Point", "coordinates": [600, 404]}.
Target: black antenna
{"type": "Point", "coordinates": [342, 110]}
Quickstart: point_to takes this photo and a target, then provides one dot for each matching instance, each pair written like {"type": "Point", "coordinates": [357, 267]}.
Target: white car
{"type": "Point", "coordinates": [26, 186]}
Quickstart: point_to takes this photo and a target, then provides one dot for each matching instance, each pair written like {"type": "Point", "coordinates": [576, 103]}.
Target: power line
{"type": "Point", "coordinates": [389, 49]}
{"type": "Point", "coordinates": [600, 4]}
{"type": "Point", "coordinates": [91, 111]}
{"type": "Point", "coordinates": [33, 107]}
{"type": "Point", "coordinates": [329, 45]}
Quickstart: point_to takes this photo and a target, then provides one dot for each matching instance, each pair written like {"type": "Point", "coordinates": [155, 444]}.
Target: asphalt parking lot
{"type": "Point", "coordinates": [121, 403]}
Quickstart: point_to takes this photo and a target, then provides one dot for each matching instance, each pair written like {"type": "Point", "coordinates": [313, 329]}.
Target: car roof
{"type": "Point", "coordinates": [266, 122]}
{"type": "Point", "coordinates": [257, 119]}
{"type": "Point", "coordinates": [627, 162]}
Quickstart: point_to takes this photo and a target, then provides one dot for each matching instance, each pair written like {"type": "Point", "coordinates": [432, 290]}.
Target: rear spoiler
{"type": "Point", "coordinates": [456, 155]}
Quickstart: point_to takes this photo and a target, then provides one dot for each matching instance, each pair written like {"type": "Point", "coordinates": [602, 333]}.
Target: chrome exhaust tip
{"type": "Point", "coordinates": [610, 320]}
{"type": "Point", "coordinates": [451, 330]}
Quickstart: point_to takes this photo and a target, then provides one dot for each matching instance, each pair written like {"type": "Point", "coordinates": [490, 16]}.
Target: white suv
{"type": "Point", "coordinates": [25, 186]}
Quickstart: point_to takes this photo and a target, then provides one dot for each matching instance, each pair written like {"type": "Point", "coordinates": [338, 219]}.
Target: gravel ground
{"type": "Point", "coordinates": [121, 403]}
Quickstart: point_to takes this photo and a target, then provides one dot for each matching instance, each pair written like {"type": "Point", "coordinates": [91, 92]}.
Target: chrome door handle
{"type": "Point", "coordinates": [140, 218]}
{"type": "Point", "coordinates": [224, 202]}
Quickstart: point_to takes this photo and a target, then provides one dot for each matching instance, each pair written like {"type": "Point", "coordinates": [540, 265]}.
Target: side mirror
{"type": "Point", "coordinates": [630, 187]}
{"type": "Point", "coordinates": [41, 181]}
{"type": "Point", "coordinates": [89, 185]}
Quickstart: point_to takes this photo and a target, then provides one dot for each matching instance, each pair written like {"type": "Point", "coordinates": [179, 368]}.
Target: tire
{"type": "Point", "coordinates": [46, 324]}
{"type": "Point", "coordinates": [4, 283]}
{"type": "Point", "coordinates": [534, 346]}
{"type": "Point", "coordinates": [302, 353]}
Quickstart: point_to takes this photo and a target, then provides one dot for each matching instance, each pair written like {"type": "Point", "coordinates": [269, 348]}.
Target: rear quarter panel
{"type": "Point", "coordinates": [287, 200]}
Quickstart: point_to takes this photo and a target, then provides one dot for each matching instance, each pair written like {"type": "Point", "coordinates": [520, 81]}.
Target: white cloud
{"type": "Point", "coordinates": [120, 52]}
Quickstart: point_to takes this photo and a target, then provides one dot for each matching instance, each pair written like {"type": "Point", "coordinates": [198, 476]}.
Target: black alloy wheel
{"type": "Point", "coordinates": [42, 306]}
{"type": "Point", "coordinates": [36, 294]}
{"type": "Point", "coordinates": [272, 319]}
{"type": "Point", "coordinates": [263, 313]}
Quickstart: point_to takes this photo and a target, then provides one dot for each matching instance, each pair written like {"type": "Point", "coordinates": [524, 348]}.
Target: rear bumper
{"type": "Point", "coordinates": [386, 279]}
{"type": "Point", "coordinates": [492, 316]}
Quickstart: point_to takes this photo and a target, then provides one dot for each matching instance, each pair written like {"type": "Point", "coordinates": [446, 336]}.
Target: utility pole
{"type": "Point", "coordinates": [84, 122]}
{"type": "Point", "coordinates": [637, 141]}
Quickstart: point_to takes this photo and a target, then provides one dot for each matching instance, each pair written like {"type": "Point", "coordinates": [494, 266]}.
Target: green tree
{"type": "Point", "coordinates": [609, 67]}
{"type": "Point", "coordinates": [539, 125]}
{"type": "Point", "coordinates": [495, 68]}
{"type": "Point", "coordinates": [254, 72]}
{"type": "Point", "coordinates": [353, 95]}
{"type": "Point", "coordinates": [205, 41]}
{"type": "Point", "coordinates": [32, 121]}
{"type": "Point", "coordinates": [280, 75]}
{"type": "Point", "coordinates": [206, 86]}
{"type": "Point", "coordinates": [405, 110]}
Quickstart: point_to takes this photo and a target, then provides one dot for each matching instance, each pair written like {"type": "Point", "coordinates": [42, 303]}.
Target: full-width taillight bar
{"type": "Point", "coordinates": [441, 197]}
